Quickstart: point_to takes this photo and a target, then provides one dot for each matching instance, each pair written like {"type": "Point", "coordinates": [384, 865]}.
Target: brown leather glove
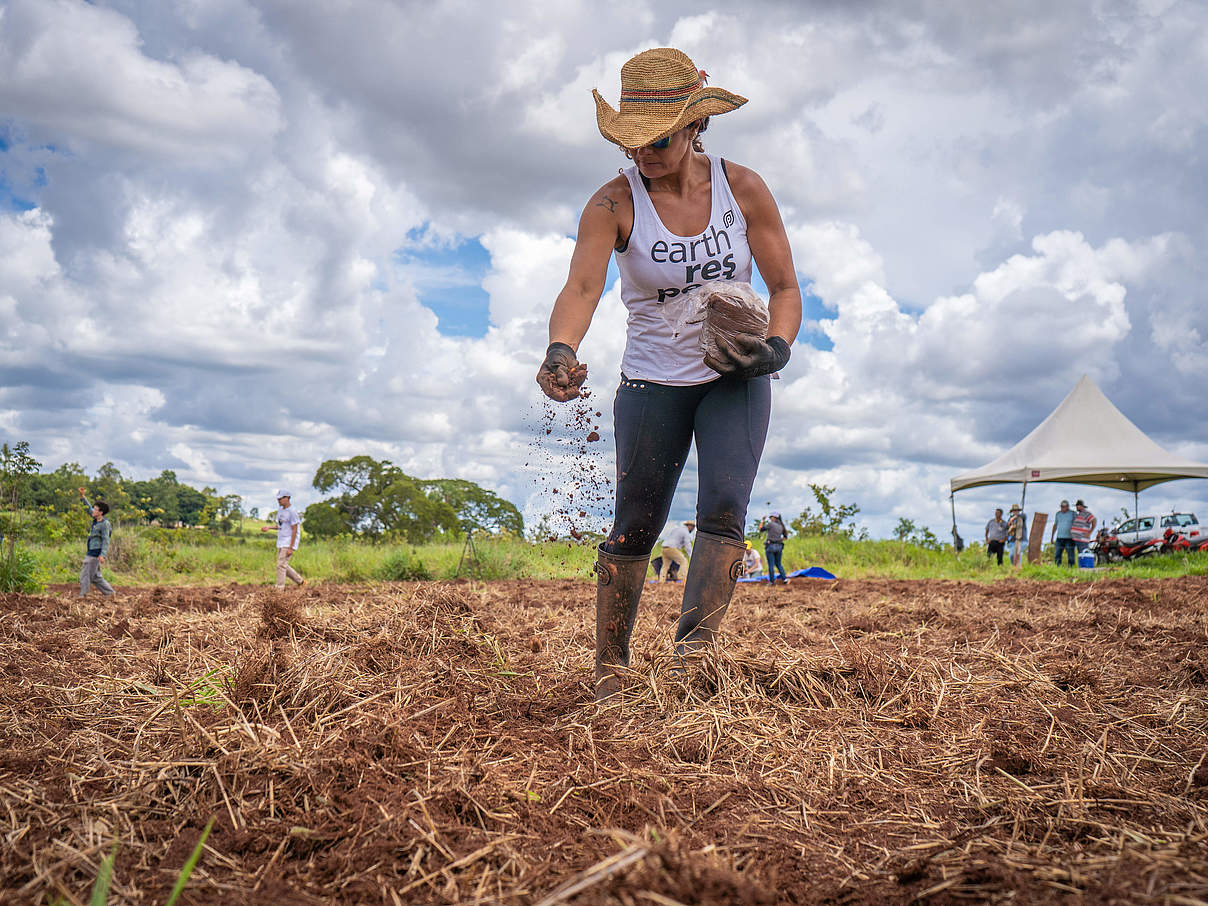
{"type": "Point", "coordinates": [748, 356]}
{"type": "Point", "coordinates": [561, 375]}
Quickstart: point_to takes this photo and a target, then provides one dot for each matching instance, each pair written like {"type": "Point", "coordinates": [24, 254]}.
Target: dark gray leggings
{"type": "Point", "coordinates": [655, 425]}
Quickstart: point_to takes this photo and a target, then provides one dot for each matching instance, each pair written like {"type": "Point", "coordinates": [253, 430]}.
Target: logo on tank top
{"type": "Point", "coordinates": [702, 258]}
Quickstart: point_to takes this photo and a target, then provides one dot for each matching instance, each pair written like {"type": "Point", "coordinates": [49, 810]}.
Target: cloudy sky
{"type": "Point", "coordinates": [240, 237]}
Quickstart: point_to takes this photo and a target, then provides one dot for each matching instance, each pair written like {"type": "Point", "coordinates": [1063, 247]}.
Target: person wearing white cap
{"type": "Point", "coordinates": [288, 522]}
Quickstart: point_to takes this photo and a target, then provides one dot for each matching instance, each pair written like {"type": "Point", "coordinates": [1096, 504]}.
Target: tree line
{"type": "Point", "coordinates": [366, 498]}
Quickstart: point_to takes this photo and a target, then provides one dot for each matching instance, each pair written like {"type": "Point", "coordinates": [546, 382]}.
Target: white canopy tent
{"type": "Point", "coordinates": [1085, 440]}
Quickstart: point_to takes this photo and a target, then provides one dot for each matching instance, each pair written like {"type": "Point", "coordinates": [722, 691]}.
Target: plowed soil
{"type": "Point", "coordinates": [850, 742]}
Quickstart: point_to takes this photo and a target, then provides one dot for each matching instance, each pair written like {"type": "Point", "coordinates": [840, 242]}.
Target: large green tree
{"type": "Point", "coordinates": [375, 499]}
{"type": "Point", "coordinates": [476, 507]}
{"type": "Point", "coordinates": [158, 500]}
{"type": "Point", "coordinates": [108, 485]}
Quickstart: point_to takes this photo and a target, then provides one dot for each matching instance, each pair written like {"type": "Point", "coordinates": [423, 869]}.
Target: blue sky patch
{"type": "Point", "coordinates": [9, 200]}
{"type": "Point", "coordinates": [812, 309]}
{"type": "Point", "coordinates": [448, 278]}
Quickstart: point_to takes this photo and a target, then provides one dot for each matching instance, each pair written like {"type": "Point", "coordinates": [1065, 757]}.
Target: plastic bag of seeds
{"type": "Point", "coordinates": [726, 308]}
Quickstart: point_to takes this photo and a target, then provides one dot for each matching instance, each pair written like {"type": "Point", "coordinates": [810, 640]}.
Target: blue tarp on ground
{"type": "Point", "coordinates": [814, 572]}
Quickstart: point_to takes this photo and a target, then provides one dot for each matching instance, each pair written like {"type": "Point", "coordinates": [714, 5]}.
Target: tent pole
{"type": "Point", "coordinates": [1136, 505]}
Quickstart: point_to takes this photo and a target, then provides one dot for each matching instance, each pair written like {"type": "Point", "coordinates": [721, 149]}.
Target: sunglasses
{"type": "Point", "coordinates": [661, 145]}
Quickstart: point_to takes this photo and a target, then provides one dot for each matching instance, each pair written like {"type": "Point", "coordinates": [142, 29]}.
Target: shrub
{"type": "Point", "coordinates": [19, 571]}
{"type": "Point", "coordinates": [400, 566]}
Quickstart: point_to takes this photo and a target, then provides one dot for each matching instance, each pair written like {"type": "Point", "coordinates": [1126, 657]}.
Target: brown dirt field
{"type": "Point", "coordinates": [879, 742]}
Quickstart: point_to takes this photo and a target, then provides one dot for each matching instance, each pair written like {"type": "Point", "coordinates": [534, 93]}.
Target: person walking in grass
{"type": "Point", "coordinates": [996, 535]}
{"type": "Point", "coordinates": [288, 523]}
{"type": "Point", "coordinates": [96, 549]}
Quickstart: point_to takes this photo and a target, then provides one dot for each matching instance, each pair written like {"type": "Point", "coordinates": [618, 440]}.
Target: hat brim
{"type": "Point", "coordinates": [637, 124]}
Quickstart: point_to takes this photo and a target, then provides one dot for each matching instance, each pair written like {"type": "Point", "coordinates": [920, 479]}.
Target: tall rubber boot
{"type": "Point", "coordinates": [712, 573]}
{"type": "Point", "coordinates": [620, 579]}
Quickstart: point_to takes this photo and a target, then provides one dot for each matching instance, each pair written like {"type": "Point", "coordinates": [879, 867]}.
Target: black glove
{"type": "Point", "coordinates": [561, 375]}
{"type": "Point", "coordinates": [748, 356]}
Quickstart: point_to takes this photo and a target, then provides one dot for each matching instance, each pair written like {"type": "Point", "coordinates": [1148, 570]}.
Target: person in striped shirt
{"type": "Point", "coordinates": [1083, 529]}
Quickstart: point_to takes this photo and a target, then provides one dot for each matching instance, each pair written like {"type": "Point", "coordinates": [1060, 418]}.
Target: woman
{"type": "Point", "coordinates": [752, 565]}
{"type": "Point", "coordinates": [677, 218]}
{"type": "Point", "coordinates": [773, 545]}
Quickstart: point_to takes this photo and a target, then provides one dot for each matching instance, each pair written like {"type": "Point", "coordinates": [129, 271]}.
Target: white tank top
{"type": "Point", "coordinates": [658, 265]}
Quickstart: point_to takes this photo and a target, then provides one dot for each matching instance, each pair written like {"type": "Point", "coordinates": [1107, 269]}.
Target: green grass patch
{"type": "Point", "coordinates": [153, 556]}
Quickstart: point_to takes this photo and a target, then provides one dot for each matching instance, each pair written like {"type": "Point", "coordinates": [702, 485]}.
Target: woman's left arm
{"type": "Point", "coordinates": [770, 248]}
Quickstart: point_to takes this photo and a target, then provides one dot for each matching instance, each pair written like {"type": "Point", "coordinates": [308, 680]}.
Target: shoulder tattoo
{"type": "Point", "coordinates": [607, 202]}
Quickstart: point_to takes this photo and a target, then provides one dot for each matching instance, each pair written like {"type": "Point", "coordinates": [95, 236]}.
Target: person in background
{"type": "Point", "coordinates": [773, 545]}
{"type": "Point", "coordinates": [1083, 528]}
{"type": "Point", "coordinates": [677, 547]}
{"type": "Point", "coordinates": [1017, 533]}
{"type": "Point", "coordinates": [288, 522]}
{"type": "Point", "coordinates": [96, 549]}
{"type": "Point", "coordinates": [1063, 524]}
{"type": "Point", "coordinates": [752, 565]}
{"type": "Point", "coordinates": [996, 535]}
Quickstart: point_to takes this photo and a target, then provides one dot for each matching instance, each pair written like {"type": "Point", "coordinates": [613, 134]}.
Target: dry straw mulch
{"type": "Point", "coordinates": [852, 742]}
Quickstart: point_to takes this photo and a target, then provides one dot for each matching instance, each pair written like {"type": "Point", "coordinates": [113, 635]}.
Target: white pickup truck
{"type": "Point", "coordinates": [1142, 528]}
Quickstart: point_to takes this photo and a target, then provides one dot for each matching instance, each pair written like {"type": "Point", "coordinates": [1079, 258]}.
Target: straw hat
{"type": "Point", "coordinates": [661, 92]}
{"type": "Point", "coordinates": [1015, 508]}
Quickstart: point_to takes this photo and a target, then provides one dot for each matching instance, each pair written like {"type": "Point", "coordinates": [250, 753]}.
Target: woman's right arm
{"type": "Point", "coordinates": [600, 231]}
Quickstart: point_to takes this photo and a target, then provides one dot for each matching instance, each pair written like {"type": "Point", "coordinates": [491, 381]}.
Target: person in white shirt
{"type": "Point", "coordinates": [677, 547]}
{"type": "Point", "coordinates": [288, 529]}
{"type": "Point", "coordinates": [752, 564]}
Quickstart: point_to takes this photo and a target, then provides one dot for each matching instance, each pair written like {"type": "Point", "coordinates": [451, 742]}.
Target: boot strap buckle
{"type": "Point", "coordinates": [603, 573]}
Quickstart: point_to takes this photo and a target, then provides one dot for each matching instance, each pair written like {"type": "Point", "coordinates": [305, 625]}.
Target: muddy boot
{"type": "Point", "coordinates": [619, 582]}
{"type": "Point", "coordinates": [715, 568]}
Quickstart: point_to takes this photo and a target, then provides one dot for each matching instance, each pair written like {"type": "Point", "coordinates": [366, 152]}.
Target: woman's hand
{"type": "Point", "coordinates": [748, 356]}
{"type": "Point", "coordinates": [561, 375]}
